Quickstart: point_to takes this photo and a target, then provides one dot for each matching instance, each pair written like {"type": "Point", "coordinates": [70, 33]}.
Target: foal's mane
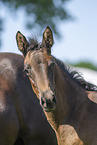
{"type": "Point", "coordinates": [34, 45]}
{"type": "Point", "coordinates": [76, 76]}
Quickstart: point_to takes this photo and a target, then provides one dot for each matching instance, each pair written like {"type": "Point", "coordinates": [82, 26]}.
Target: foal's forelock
{"type": "Point", "coordinates": [33, 47]}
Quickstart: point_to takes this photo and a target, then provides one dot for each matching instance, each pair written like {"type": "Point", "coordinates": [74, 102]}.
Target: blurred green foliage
{"type": "Point", "coordinates": [88, 65]}
{"type": "Point", "coordinates": [40, 13]}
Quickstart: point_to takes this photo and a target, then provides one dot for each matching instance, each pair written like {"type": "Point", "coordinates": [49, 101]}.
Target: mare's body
{"type": "Point", "coordinates": [21, 117]}
{"type": "Point", "coordinates": [68, 101]}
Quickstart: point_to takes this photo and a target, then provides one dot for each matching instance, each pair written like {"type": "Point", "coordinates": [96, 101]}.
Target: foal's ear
{"type": "Point", "coordinates": [22, 43]}
{"type": "Point", "coordinates": [47, 40]}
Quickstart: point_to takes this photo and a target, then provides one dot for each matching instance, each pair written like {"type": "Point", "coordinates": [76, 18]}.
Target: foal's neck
{"type": "Point", "coordinates": [69, 95]}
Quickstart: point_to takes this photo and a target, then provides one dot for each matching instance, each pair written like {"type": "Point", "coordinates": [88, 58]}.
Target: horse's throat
{"type": "Point", "coordinates": [51, 118]}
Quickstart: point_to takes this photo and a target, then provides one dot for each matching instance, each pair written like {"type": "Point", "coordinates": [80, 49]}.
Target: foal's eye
{"type": "Point", "coordinates": [27, 69]}
{"type": "Point", "coordinates": [52, 65]}
{"type": "Point", "coordinates": [27, 72]}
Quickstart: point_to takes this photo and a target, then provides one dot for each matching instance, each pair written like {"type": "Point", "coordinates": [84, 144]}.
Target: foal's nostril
{"type": "Point", "coordinates": [54, 100]}
{"type": "Point", "coordinates": [48, 103]}
{"type": "Point", "coordinates": [42, 101]}
{"type": "Point", "coordinates": [51, 103]}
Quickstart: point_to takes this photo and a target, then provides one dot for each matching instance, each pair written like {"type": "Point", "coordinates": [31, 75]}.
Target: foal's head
{"type": "Point", "coordinates": [40, 67]}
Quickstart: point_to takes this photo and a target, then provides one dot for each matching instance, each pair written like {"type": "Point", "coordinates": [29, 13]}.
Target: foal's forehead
{"type": "Point", "coordinates": [38, 56]}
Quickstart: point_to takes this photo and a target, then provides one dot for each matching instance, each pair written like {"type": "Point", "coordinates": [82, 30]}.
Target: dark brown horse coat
{"type": "Point", "coordinates": [21, 116]}
{"type": "Point", "coordinates": [68, 101]}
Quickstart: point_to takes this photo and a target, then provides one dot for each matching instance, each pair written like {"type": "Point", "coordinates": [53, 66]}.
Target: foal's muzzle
{"type": "Point", "coordinates": [48, 101]}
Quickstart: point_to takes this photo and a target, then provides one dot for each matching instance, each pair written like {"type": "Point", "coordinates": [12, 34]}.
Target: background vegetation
{"type": "Point", "coordinates": [83, 64]}
{"type": "Point", "coordinates": [38, 13]}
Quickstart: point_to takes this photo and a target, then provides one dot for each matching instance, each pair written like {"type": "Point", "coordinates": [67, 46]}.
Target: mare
{"type": "Point", "coordinates": [22, 121]}
{"type": "Point", "coordinates": [68, 101]}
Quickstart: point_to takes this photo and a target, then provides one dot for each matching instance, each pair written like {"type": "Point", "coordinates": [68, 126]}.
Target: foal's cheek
{"type": "Point", "coordinates": [34, 89]}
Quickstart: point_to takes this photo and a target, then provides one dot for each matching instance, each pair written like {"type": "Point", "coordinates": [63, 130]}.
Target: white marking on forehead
{"type": "Point", "coordinates": [5, 64]}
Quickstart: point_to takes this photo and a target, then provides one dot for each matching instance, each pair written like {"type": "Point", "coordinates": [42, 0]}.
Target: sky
{"type": "Point", "coordinates": [79, 37]}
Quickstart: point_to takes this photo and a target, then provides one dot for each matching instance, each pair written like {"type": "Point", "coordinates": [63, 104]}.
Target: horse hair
{"type": "Point", "coordinates": [76, 76]}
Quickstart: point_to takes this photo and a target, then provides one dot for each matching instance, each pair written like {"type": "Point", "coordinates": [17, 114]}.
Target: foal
{"type": "Point", "coordinates": [63, 94]}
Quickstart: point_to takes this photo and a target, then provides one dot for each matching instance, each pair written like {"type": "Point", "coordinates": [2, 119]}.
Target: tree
{"type": "Point", "coordinates": [39, 13]}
